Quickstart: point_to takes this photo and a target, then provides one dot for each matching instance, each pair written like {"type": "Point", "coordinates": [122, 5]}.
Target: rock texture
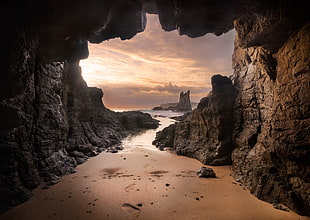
{"type": "Point", "coordinates": [272, 128]}
{"type": "Point", "coordinates": [269, 131]}
{"type": "Point", "coordinates": [184, 104]}
{"type": "Point", "coordinates": [206, 172]}
{"type": "Point", "coordinates": [51, 120]}
{"type": "Point", "coordinates": [206, 132]}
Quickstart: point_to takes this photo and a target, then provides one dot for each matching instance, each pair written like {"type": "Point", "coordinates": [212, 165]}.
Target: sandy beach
{"type": "Point", "coordinates": [141, 182]}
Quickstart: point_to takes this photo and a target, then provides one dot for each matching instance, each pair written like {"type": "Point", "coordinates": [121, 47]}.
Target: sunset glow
{"type": "Point", "coordinates": [154, 66]}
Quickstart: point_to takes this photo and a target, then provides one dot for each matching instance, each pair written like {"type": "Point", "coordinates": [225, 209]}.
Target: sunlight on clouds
{"type": "Point", "coordinates": [156, 65]}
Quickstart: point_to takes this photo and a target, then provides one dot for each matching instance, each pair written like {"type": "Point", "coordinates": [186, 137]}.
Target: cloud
{"type": "Point", "coordinates": [136, 96]}
{"type": "Point", "coordinates": [156, 65]}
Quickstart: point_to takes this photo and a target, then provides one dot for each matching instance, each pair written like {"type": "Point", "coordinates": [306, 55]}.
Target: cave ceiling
{"type": "Point", "coordinates": [65, 27]}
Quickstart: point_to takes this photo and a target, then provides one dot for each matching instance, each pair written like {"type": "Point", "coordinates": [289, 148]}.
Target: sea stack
{"type": "Point", "coordinates": [184, 104]}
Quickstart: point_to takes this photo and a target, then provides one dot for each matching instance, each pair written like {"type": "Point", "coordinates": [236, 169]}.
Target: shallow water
{"type": "Point", "coordinates": [144, 138]}
{"type": "Point", "coordinates": [144, 183]}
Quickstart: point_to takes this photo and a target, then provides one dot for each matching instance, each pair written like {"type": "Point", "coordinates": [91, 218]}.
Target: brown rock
{"type": "Point", "coordinates": [184, 104]}
{"type": "Point", "coordinates": [206, 172]}
{"type": "Point", "coordinates": [205, 133]}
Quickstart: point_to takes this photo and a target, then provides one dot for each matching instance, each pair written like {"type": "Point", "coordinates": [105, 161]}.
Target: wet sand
{"type": "Point", "coordinates": [141, 182]}
{"type": "Point", "coordinates": [145, 184]}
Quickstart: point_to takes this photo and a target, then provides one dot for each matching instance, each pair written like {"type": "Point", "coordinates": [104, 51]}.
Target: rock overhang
{"type": "Point", "coordinates": [99, 20]}
{"type": "Point", "coordinates": [65, 27]}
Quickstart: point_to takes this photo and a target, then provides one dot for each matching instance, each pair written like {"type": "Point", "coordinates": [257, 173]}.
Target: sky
{"type": "Point", "coordinates": [155, 66]}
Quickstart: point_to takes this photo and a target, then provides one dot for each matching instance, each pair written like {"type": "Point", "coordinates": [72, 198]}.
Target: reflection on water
{"type": "Point", "coordinates": [144, 139]}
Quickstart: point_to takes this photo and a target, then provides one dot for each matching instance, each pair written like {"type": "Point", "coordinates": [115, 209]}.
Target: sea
{"type": "Point", "coordinates": [145, 138]}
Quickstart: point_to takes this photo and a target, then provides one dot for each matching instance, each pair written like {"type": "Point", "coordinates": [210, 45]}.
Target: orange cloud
{"type": "Point", "coordinates": [135, 96]}
{"type": "Point", "coordinates": [154, 58]}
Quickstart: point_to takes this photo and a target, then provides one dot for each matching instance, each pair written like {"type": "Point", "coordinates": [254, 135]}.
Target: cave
{"type": "Point", "coordinates": [48, 112]}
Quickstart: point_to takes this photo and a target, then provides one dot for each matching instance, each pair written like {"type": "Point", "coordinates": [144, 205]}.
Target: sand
{"type": "Point", "coordinates": [145, 184]}
{"type": "Point", "coordinates": [142, 182]}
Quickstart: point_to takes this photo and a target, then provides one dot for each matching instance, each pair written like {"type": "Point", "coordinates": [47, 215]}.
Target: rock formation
{"type": "Point", "coordinates": [165, 107]}
{"type": "Point", "coordinates": [53, 122]}
{"type": "Point", "coordinates": [268, 125]}
{"type": "Point", "coordinates": [206, 132]}
{"type": "Point", "coordinates": [206, 172]}
{"type": "Point", "coordinates": [184, 104]}
{"type": "Point", "coordinates": [50, 119]}
{"type": "Point", "coordinates": [271, 120]}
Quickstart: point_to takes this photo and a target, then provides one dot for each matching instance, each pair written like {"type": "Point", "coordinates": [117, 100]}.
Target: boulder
{"type": "Point", "coordinates": [135, 120]}
{"type": "Point", "coordinates": [206, 172]}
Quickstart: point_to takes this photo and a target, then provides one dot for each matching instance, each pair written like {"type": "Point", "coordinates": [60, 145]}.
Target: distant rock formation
{"type": "Point", "coordinates": [184, 104]}
{"type": "Point", "coordinates": [165, 107]}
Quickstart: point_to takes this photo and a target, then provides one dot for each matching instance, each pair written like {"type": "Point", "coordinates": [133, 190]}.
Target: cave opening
{"type": "Point", "coordinates": [154, 66]}
{"type": "Point", "coordinates": [52, 121]}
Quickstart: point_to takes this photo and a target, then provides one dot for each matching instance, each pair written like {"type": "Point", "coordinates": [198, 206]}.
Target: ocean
{"type": "Point", "coordinates": [145, 138]}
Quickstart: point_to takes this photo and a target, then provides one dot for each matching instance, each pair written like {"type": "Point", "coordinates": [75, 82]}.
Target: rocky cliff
{"type": "Point", "coordinates": [51, 120]}
{"type": "Point", "coordinates": [267, 129]}
{"type": "Point", "coordinates": [206, 132]}
{"type": "Point", "coordinates": [271, 119]}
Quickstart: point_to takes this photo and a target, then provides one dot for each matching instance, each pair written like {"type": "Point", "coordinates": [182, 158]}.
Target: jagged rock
{"type": "Point", "coordinates": [114, 149]}
{"type": "Point", "coordinates": [165, 138]}
{"type": "Point", "coordinates": [184, 104]}
{"type": "Point", "coordinates": [76, 154]}
{"type": "Point", "coordinates": [81, 160]}
{"type": "Point", "coordinates": [181, 117]}
{"type": "Point", "coordinates": [134, 120]}
{"type": "Point", "coordinates": [57, 113]}
{"type": "Point", "coordinates": [280, 207]}
{"type": "Point", "coordinates": [272, 121]}
{"type": "Point", "coordinates": [52, 181]}
{"type": "Point", "coordinates": [206, 132]}
{"type": "Point", "coordinates": [206, 172]}
{"type": "Point", "coordinates": [92, 153]}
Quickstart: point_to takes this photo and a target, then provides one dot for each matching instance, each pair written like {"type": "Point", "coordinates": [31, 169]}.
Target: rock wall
{"type": "Point", "coordinates": [206, 132]}
{"type": "Point", "coordinates": [271, 134]}
{"type": "Point", "coordinates": [266, 133]}
{"type": "Point", "coordinates": [52, 122]}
